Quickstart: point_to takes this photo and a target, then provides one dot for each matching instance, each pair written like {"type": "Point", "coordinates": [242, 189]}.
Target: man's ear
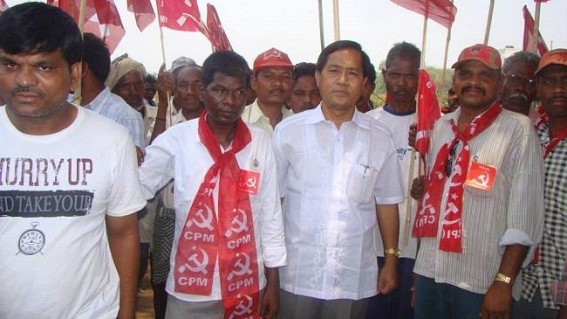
{"type": "Point", "coordinates": [77, 75]}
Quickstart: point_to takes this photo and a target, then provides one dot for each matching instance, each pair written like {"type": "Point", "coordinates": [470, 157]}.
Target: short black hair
{"type": "Point", "coordinates": [370, 69]}
{"type": "Point", "coordinates": [150, 78]}
{"type": "Point", "coordinates": [521, 56]}
{"type": "Point", "coordinates": [35, 27]}
{"type": "Point", "coordinates": [405, 51]}
{"type": "Point", "coordinates": [226, 62]}
{"type": "Point", "coordinates": [341, 45]}
{"type": "Point", "coordinates": [303, 69]}
{"type": "Point", "coordinates": [97, 56]}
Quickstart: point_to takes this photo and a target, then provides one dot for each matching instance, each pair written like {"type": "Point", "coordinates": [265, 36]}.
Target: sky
{"type": "Point", "coordinates": [292, 26]}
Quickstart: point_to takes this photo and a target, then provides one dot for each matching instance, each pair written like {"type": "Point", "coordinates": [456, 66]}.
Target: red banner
{"type": "Point", "coordinates": [529, 35]}
{"type": "Point", "coordinates": [180, 15]}
{"type": "Point", "coordinates": [101, 18]}
{"type": "Point", "coordinates": [440, 11]}
{"type": "Point", "coordinates": [428, 111]}
{"type": "Point", "coordinates": [217, 36]}
{"type": "Point", "coordinates": [143, 12]}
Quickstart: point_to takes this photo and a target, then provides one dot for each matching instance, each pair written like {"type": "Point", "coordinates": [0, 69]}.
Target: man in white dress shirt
{"type": "Point", "coordinates": [338, 174]}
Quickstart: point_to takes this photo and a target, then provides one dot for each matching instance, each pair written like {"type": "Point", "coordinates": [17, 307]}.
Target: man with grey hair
{"type": "Point", "coordinates": [518, 89]}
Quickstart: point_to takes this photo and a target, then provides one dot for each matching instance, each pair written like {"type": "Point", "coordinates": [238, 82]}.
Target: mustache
{"type": "Point", "coordinates": [276, 90]}
{"type": "Point", "coordinates": [519, 96]}
{"type": "Point", "coordinates": [473, 88]}
{"type": "Point", "coordinates": [25, 89]}
{"type": "Point", "coordinates": [401, 90]}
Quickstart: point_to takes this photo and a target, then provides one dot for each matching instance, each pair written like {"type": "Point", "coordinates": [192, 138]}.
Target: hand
{"type": "Point", "coordinates": [412, 134]}
{"type": "Point", "coordinates": [418, 188]}
{"type": "Point", "coordinates": [270, 304]}
{"type": "Point", "coordinates": [388, 276]}
{"type": "Point", "coordinates": [140, 154]}
{"type": "Point", "coordinates": [165, 83]}
{"type": "Point", "coordinates": [497, 301]}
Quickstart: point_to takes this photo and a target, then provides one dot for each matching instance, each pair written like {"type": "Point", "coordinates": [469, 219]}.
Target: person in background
{"type": "Point", "coordinates": [150, 89]}
{"type": "Point", "coordinates": [272, 81]}
{"type": "Point", "coordinates": [401, 78]}
{"type": "Point", "coordinates": [364, 104]}
{"type": "Point", "coordinates": [305, 93]}
{"type": "Point", "coordinates": [518, 90]}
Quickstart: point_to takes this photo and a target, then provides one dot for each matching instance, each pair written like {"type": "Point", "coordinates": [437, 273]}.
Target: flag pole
{"type": "Point", "coordinates": [536, 27]}
{"type": "Point", "coordinates": [321, 29]}
{"type": "Point", "coordinates": [77, 95]}
{"type": "Point", "coordinates": [447, 41]}
{"type": "Point", "coordinates": [489, 22]}
{"type": "Point", "coordinates": [409, 202]}
{"type": "Point", "coordinates": [336, 23]}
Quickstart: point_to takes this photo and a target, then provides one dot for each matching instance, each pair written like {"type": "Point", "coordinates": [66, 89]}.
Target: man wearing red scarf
{"type": "Point", "coordinates": [229, 239]}
{"type": "Point", "coordinates": [483, 206]}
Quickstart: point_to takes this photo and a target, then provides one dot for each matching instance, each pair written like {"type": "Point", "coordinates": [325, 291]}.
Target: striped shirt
{"type": "Point", "coordinates": [553, 248]}
{"type": "Point", "coordinates": [509, 213]}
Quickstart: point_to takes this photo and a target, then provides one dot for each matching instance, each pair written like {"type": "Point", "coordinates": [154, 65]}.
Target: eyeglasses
{"type": "Point", "coordinates": [517, 80]}
{"type": "Point", "coordinates": [451, 159]}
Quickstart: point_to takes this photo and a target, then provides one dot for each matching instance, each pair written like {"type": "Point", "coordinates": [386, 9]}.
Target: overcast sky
{"type": "Point", "coordinates": [292, 26]}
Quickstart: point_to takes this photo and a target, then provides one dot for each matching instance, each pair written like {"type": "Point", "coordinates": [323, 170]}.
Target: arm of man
{"type": "Point", "coordinates": [270, 304]}
{"type": "Point", "coordinates": [388, 221]}
{"type": "Point", "coordinates": [498, 298]}
{"type": "Point", "coordinates": [165, 85]}
{"type": "Point", "coordinates": [125, 248]}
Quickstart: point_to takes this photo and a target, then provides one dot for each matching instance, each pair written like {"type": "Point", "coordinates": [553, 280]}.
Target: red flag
{"type": "Point", "coordinates": [529, 35]}
{"type": "Point", "coordinates": [440, 11]}
{"type": "Point", "coordinates": [3, 6]}
{"type": "Point", "coordinates": [182, 15]}
{"type": "Point", "coordinates": [428, 110]}
{"type": "Point", "coordinates": [541, 0]}
{"type": "Point", "coordinates": [101, 18]}
{"type": "Point", "coordinates": [217, 36]}
{"type": "Point", "coordinates": [143, 11]}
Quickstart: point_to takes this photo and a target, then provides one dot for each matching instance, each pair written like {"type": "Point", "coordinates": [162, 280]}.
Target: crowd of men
{"type": "Point", "coordinates": [279, 191]}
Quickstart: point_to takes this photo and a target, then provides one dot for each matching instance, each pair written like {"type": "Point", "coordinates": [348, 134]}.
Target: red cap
{"type": "Point", "coordinates": [273, 58]}
{"type": "Point", "coordinates": [481, 53]}
{"type": "Point", "coordinates": [557, 56]}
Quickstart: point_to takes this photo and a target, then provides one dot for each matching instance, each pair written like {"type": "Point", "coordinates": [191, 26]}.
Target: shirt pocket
{"type": "Point", "coordinates": [361, 182]}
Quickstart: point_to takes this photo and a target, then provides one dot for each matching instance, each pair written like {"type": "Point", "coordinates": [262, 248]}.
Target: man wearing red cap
{"type": "Point", "coordinates": [272, 81]}
{"type": "Point", "coordinates": [481, 210]}
{"type": "Point", "coordinates": [537, 301]}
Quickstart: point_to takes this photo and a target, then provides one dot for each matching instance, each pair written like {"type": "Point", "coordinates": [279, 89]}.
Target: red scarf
{"type": "Point", "coordinates": [427, 221]}
{"type": "Point", "coordinates": [230, 237]}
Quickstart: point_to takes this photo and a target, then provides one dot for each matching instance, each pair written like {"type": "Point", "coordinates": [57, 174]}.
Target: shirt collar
{"type": "Point", "coordinates": [316, 115]}
{"type": "Point", "coordinates": [99, 100]}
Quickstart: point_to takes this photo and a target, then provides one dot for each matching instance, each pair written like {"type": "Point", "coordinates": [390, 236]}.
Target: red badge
{"type": "Point", "coordinates": [481, 176]}
{"type": "Point", "coordinates": [249, 181]}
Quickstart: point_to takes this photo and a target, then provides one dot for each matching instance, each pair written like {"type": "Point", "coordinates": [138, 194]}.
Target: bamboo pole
{"type": "Point", "coordinates": [336, 20]}
{"type": "Point", "coordinates": [536, 28]}
{"type": "Point", "coordinates": [321, 28]}
{"type": "Point", "coordinates": [488, 22]}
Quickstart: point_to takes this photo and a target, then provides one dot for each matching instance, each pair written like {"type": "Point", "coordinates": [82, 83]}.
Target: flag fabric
{"type": "Point", "coordinates": [440, 11]}
{"type": "Point", "coordinates": [428, 111]}
{"type": "Point", "coordinates": [217, 36]}
{"type": "Point", "coordinates": [3, 6]}
{"type": "Point", "coordinates": [541, 0]}
{"type": "Point", "coordinates": [101, 18]}
{"type": "Point", "coordinates": [182, 15]}
{"type": "Point", "coordinates": [143, 11]}
{"type": "Point", "coordinates": [529, 35]}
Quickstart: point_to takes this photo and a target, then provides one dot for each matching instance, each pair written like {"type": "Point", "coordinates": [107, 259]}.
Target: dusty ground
{"type": "Point", "coordinates": [145, 306]}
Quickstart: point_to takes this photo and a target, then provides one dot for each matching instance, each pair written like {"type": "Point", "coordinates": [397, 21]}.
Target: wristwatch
{"type": "Point", "coordinates": [392, 251]}
{"type": "Point", "coordinates": [503, 278]}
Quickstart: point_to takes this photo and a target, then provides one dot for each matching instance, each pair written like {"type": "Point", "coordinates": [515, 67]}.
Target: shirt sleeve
{"type": "Point", "coordinates": [525, 204]}
{"type": "Point", "coordinates": [126, 196]}
{"type": "Point", "coordinates": [281, 161]}
{"type": "Point", "coordinates": [271, 219]}
{"type": "Point", "coordinates": [158, 166]}
{"type": "Point", "coordinates": [389, 188]}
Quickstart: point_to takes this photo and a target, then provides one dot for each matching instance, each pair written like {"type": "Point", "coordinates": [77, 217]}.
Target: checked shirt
{"type": "Point", "coordinates": [553, 248]}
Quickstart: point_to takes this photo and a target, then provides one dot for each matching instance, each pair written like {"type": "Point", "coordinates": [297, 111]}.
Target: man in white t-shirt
{"type": "Point", "coordinates": [69, 184]}
{"type": "Point", "coordinates": [400, 76]}
{"type": "Point", "coordinates": [229, 236]}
